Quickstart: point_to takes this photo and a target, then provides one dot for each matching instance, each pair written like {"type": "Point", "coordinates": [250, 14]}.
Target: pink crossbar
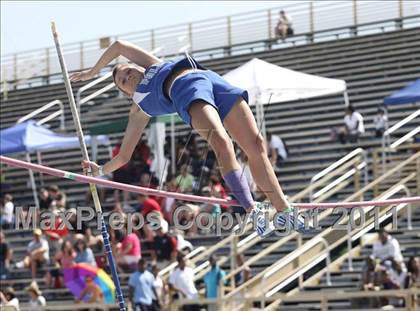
{"type": "Point", "coordinates": [182, 196]}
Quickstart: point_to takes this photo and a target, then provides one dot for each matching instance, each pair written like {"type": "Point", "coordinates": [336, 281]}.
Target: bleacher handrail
{"type": "Point", "coordinates": [59, 112]}
{"type": "Point", "coordinates": [386, 138]}
{"type": "Point", "coordinates": [371, 185]}
{"type": "Point", "coordinates": [80, 101]}
{"type": "Point", "coordinates": [405, 138]}
{"type": "Point", "coordinates": [330, 169]}
{"type": "Point", "coordinates": [253, 238]}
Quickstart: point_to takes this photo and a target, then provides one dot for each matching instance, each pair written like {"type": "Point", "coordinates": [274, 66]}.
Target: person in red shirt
{"type": "Point", "coordinates": [148, 204]}
{"type": "Point", "coordinates": [130, 251]}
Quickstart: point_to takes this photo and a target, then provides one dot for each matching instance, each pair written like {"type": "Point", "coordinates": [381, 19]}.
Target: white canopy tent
{"type": "Point", "coordinates": [266, 82]}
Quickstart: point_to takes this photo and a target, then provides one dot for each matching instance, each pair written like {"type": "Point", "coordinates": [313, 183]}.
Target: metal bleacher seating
{"type": "Point", "coordinates": [373, 66]}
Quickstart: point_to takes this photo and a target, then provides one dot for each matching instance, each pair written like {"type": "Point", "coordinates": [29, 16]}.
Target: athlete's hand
{"type": "Point", "coordinates": [82, 76]}
{"type": "Point", "coordinates": [93, 166]}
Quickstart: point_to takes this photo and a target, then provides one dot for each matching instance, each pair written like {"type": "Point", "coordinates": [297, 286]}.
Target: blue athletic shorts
{"type": "Point", "coordinates": [204, 85]}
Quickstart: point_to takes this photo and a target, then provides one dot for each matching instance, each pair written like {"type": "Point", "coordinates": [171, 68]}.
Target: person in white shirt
{"type": "Point", "coordinates": [36, 300]}
{"type": "Point", "coordinates": [353, 126]}
{"type": "Point", "coordinates": [182, 281]}
{"type": "Point", "coordinates": [8, 298]}
{"type": "Point", "coordinates": [381, 122]}
{"type": "Point", "coordinates": [284, 26]}
{"type": "Point", "coordinates": [277, 149]}
{"type": "Point", "coordinates": [37, 253]}
{"type": "Point", "coordinates": [7, 213]}
{"type": "Point", "coordinates": [386, 248]}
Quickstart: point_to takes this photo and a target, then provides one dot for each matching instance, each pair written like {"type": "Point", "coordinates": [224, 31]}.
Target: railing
{"type": "Point", "coordinates": [333, 238]}
{"type": "Point", "coordinates": [410, 297]}
{"type": "Point", "coordinates": [386, 138]}
{"type": "Point", "coordinates": [80, 101]}
{"type": "Point", "coordinates": [337, 167]}
{"type": "Point", "coordinates": [53, 115]}
{"type": "Point", "coordinates": [405, 138]}
{"type": "Point", "coordinates": [308, 17]}
{"type": "Point", "coordinates": [253, 238]}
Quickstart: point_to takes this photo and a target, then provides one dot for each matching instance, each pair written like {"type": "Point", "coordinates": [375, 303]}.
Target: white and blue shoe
{"type": "Point", "coordinates": [260, 217]}
{"type": "Point", "coordinates": [289, 218]}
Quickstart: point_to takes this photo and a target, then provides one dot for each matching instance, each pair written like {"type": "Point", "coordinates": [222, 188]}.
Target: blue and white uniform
{"type": "Point", "coordinates": [201, 84]}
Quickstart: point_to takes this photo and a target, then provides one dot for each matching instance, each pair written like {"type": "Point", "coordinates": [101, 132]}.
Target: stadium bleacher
{"type": "Point", "coordinates": [373, 66]}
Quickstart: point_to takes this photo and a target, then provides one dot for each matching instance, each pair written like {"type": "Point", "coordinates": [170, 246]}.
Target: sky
{"type": "Point", "coordinates": [25, 25]}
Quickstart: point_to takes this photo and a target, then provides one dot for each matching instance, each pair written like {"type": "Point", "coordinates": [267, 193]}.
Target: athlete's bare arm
{"type": "Point", "coordinates": [119, 48]}
{"type": "Point", "coordinates": [137, 121]}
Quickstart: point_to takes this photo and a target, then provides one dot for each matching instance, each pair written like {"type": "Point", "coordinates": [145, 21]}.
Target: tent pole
{"type": "Point", "coordinates": [346, 98]}
{"type": "Point", "coordinates": [39, 159]}
{"type": "Point", "coordinates": [32, 180]}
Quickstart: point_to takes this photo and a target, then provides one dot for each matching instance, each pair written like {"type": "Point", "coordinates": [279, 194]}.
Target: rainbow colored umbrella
{"type": "Point", "coordinates": [75, 280]}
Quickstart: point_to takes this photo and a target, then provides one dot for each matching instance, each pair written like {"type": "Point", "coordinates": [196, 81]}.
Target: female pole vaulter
{"type": "Point", "coordinates": [211, 106]}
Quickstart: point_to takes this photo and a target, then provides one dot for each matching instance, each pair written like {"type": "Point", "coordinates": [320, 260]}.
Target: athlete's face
{"type": "Point", "coordinates": [127, 79]}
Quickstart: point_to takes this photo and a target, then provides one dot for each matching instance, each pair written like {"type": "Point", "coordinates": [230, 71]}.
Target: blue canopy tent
{"type": "Point", "coordinates": [409, 94]}
{"type": "Point", "coordinates": [29, 137]}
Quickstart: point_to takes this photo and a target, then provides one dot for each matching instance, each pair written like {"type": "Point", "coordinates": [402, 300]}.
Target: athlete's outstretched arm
{"type": "Point", "coordinates": [137, 121]}
{"type": "Point", "coordinates": [119, 48]}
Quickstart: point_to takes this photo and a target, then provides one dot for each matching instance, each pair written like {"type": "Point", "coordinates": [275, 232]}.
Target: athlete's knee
{"type": "Point", "coordinates": [257, 148]}
{"type": "Point", "coordinates": [221, 143]}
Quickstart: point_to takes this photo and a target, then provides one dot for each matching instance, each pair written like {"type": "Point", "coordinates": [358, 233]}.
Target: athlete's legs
{"type": "Point", "coordinates": [241, 125]}
{"type": "Point", "coordinates": [206, 121]}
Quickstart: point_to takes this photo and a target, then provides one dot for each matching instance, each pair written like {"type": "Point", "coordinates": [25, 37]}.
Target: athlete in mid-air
{"type": "Point", "coordinates": [211, 106]}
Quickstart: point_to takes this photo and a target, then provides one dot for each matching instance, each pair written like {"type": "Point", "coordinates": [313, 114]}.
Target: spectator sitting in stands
{"type": "Point", "coordinates": [181, 280]}
{"type": "Point", "coordinates": [399, 273]}
{"type": "Point", "coordinates": [148, 205]}
{"type": "Point", "coordinates": [91, 293]}
{"type": "Point", "coordinates": [217, 189]}
{"type": "Point", "coordinates": [56, 231]}
{"type": "Point", "coordinates": [413, 268]}
{"type": "Point", "coordinates": [210, 208]}
{"type": "Point", "coordinates": [388, 283]}
{"type": "Point", "coordinates": [186, 214]}
{"type": "Point", "coordinates": [44, 199]}
{"type": "Point", "coordinates": [277, 149]}
{"type": "Point", "coordinates": [353, 126]}
{"type": "Point", "coordinates": [386, 248]}
{"type": "Point", "coordinates": [381, 122]}
{"type": "Point", "coordinates": [6, 254]}
{"type": "Point", "coordinates": [37, 253]}
{"type": "Point", "coordinates": [58, 197]}
{"type": "Point", "coordinates": [36, 300]}
{"type": "Point", "coordinates": [370, 274]}
{"type": "Point", "coordinates": [142, 292]}
{"type": "Point", "coordinates": [213, 279]}
{"type": "Point", "coordinates": [62, 260]}
{"type": "Point", "coordinates": [284, 26]}
{"type": "Point", "coordinates": [8, 298]}
{"type": "Point", "coordinates": [168, 204]}
{"type": "Point", "coordinates": [129, 253]}
{"type": "Point", "coordinates": [7, 212]}
{"type": "Point", "coordinates": [84, 253]}
{"type": "Point", "coordinates": [164, 247]}
{"type": "Point", "coordinates": [185, 180]}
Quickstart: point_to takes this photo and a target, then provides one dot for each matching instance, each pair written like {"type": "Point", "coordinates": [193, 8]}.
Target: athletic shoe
{"type": "Point", "coordinates": [259, 216]}
{"type": "Point", "coordinates": [296, 223]}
